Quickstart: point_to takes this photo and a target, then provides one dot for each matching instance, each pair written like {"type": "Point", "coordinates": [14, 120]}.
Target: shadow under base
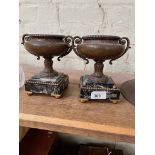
{"type": "Point", "coordinates": [53, 86]}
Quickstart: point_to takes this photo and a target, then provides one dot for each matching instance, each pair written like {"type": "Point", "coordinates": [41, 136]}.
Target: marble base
{"type": "Point", "coordinates": [54, 86]}
{"type": "Point", "coordinates": [87, 87]}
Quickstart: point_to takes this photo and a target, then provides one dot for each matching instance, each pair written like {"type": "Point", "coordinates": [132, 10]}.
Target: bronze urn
{"type": "Point", "coordinates": [47, 81]}
{"type": "Point", "coordinates": [99, 48]}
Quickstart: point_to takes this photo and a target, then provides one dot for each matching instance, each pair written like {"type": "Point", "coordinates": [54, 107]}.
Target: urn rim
{"type": "Point", "coordinates": [100, 37]}
{"type": "Point", "coordinates": [45, 36]}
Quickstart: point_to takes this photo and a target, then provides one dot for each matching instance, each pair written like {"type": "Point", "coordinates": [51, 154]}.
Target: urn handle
{"type": "Point", "coordinates": [69, 41]}
{"type": "Point", "coordinates": [123, 40]}
{"type": "Point", "coordinates": [25, 37]}
{"type": "Point", "coordinates": [78, 40]}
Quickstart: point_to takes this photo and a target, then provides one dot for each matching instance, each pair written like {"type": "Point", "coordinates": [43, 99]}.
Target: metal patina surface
{"type": "Point", "coordinates": [99, 48]}
{"type": "Point", "coordinates": [47, 81]}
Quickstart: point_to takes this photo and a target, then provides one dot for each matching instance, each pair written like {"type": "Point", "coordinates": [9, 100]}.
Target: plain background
{"type": "Point", "coordinates": [145, 64]}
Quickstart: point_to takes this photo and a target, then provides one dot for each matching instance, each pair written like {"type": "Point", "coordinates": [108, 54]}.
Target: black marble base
{"type": "Point", "coordinates": [109, 88]}
{"type": "Point", "coordinates": [54, 86]}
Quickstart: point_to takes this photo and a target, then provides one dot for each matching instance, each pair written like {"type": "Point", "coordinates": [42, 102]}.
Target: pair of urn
{"type": "Point", "coordinates": [96, 47]}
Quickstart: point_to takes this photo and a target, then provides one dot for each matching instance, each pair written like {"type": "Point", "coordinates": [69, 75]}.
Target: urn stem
{"type": "Point", "coordinates": [48, 65]}
{"type": "Point", "coordinates": [98, 69]}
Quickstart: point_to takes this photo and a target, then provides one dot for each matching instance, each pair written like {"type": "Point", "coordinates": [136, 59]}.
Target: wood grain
{"type": "Point", "coordinates": [100, 120]}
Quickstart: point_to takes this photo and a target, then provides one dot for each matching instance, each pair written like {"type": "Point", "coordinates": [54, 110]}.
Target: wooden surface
{"type": "Point", "coordinates": [114, 122]}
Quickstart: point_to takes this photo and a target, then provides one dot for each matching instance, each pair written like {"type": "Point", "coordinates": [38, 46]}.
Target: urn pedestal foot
{"type": "Point", "coordinates": [98, 91]}
{"type": "Point", "coordinates": [53, 86]}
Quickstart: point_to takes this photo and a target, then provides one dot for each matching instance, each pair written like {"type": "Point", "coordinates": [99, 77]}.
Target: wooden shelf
{"type": "Point", "coordinates": [114, 122]}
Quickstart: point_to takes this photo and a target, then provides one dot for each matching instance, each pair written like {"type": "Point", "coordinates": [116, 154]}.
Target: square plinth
{"type": "Point", "coordinates": [54, 86]}
{"type": "Point", "coordinates": [98, 91]}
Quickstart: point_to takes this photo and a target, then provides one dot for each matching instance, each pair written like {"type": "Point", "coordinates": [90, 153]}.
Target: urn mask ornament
{"type": "Point", "coordinates": [99, 48]}
{"type": "Point", "coordinates": [47, 81]}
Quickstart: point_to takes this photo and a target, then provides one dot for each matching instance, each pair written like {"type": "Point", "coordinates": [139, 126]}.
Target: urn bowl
{"type": "Point", "coordinates": [45, 45]}
{"type": "Point", "coordinates": [100, 47]}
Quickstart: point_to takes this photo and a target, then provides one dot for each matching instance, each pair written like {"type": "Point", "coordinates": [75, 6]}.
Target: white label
{"type": "Point", "coordinates": [98, 95]}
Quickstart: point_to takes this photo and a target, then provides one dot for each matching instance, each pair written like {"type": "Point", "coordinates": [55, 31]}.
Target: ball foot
{"type": "Point", "coordinates": [56, 96]}
{"type": "Point", "coordinates": [29, 93]}
{"type": "Point", "coordinates": [84, 100]}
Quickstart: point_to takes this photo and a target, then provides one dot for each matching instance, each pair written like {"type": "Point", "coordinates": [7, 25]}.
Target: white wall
{"type": "Point", "coordinates": [79, 17]}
